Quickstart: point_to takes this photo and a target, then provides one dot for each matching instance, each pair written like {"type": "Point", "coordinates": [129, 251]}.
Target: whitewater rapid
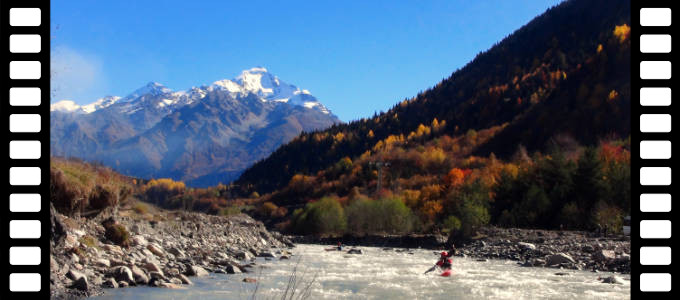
{"type": "Point", "coordinates": [380, 274]}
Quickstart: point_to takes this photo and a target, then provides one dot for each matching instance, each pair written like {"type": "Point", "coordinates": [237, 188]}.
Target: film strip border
{"type": "Point", "coordinates": [652, 70]}
{"type": "Point", "coordinates": [25, 109]}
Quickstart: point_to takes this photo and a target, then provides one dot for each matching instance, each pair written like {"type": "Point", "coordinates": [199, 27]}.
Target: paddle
{"type": "Point", "coordinates": [431, 269]}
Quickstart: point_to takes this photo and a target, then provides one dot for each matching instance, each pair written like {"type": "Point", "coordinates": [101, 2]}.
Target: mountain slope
{"type": "Point", "coordinates": [565, 72]}
{"type": "Point", "coordinates": [204, 135]}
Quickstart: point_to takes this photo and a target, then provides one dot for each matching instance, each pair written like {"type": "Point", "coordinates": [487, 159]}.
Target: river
{"type": "Point", "coordinates": [380, 274]}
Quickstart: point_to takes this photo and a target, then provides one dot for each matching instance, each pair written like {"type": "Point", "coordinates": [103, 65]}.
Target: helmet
{"type": "Point", "coordinates": [444, 253]}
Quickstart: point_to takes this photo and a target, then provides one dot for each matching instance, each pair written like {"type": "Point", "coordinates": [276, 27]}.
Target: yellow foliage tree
{"type": "Point", "coordinates": [622, 32]}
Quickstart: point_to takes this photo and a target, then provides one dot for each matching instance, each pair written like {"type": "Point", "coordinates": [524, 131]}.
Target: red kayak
{"type": "Point", "coordinates": [446, 273]}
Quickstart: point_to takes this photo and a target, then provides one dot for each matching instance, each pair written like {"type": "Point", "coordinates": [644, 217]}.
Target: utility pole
{"type": "Point", "coordinates": [379, 165]}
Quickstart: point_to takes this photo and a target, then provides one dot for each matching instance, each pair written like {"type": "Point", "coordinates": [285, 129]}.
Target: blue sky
{"type": "Point", "coordinates": [355, 57]}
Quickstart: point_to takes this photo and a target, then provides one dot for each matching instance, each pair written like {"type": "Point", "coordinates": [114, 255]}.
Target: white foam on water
{"type": "Point", "coordinates": [379, 274]}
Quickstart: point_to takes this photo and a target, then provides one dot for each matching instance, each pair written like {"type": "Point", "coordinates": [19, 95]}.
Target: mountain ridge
{"type": "Point", "coordinates": [157, 132]}
{"type": "Point", "coordinates": [501, 85]}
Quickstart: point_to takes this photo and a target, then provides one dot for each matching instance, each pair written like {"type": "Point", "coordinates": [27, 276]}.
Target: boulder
{"type": "Point", "coordinates": [122, 273]}
{"type": "Point", "coordinates": [138, 240]}
{"type": "Point", "coordinates": [74, 275]}
{"type": "Point", "coordinates": [155, 249]}
{"type": "Point", "coordinates": [113, 249]}
{"type": "Point", "coordinates": [157, 275]}
{"type": "Point", "coordinates": [139, 275]}
{"type": "Point", "coordinates": [175, 281]}
{"type": "Point", "coordinates": [249, 280]}
{"type": "Point", "coordinates": [103, 262]}
{"type": "Point", "coordinates": [152, 267]}
{"type": "Point", "coordinates": [110, 283]}
{"type": "Point", "coordinates": [71, 241]}
{"type": "Point", "coordinates": [604, 255]}
{"type": "Point", "coordinates": [177, 252]}
{"type": "Point", "coordinates": [184, 279]}
{"type": "Point", "coordinates": [612, 280]}
{"type": "Point", "coordinates": [196, 271]}
{"type": "Point", "coordinates": [559, 258]}
{"type": "Point", "coordinates": [123, 284]}
{"type": "Point", "coordinates": [117, 262]}
{"type": "Point", "coordinates": [355, 251]}
{"type": "Point", "coordinates": [623, 258]}
{"type": "Point", "coordinates": [243, 255]}
{"type": "Point", "coordinates": [81, 284]}
{"type": "Point", "coordinates": [527, 246]}
{"type": "Point", "coordinates": [233, 270]}
{"type": "Point", "coordinates": [265, 254]}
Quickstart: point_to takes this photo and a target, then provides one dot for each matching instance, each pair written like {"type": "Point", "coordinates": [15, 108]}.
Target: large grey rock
{"type": "Point", "coordinates": [103, 262]}
{"type": "Point", "coordinates": [81, 284]}
{"type": "Point", "coordinates": [139, 275]}
{"type": "Point", "coordinates": [355, 251]}
{"type": "Point", "coordinates": [152, 267]}
{"type": "Point", "coordinates": [196, 271]}
{"type": "Point", "coordinates": [265, 254]}
{"type": "Point", "coordinates": [604, 255]}
{"type": "Point", "coordinates": [185, 280]}
{"type": "Point", "coordinates": [243, 255]}
{"type": "Point", "coordinates": [527, 246]}
{"type": "Point", "coordinates": [559, 258]}
{"type": "Point", "coordinates": [155, 249]}
{"type": "Point", "coordinates": [138, 240]}
{"type": "Point", "coordinates": [158, 275]}
{"type": "Point", "coordinates": [612, 280]}
{"type": "Point", "coordinates": [177, 253]}
{"type": "Point", "coordinates": [122, 273]}
{"type": "Point", "coordinates": [74, 275]}
{"type": "Point", "coordinates": [110, 283]}
{"type": "Point", "coordinates": [233, 270]}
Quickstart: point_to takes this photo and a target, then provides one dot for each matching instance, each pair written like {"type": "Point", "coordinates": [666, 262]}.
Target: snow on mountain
{"type": "Point", "coordinates": [151, 88]}
{"type": "Point", "coordinates": [256, 81]}
{"type": "Point", "coordinates": [99, 104]}
{"type": "Point", "coordinates": [65, 106]}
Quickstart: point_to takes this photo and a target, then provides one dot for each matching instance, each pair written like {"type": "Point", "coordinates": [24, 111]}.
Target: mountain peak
{"type": "Point", "coordinates": [153, 88]}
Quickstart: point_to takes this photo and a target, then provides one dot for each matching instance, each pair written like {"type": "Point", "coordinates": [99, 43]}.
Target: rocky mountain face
{"type": "Point", "coordinates": [204, 135]}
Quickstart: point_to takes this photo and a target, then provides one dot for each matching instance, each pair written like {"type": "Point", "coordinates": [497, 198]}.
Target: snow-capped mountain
{"type": "Point", "coordinates": [256, 81]}
{"type": "Point", "coordinates": [203, 135]}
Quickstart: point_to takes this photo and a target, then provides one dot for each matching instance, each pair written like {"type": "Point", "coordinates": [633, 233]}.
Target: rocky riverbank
{"type": "Point", "coordinates": [532, 248]}
{"type": "Point", "coordinates": [157, 248]}
{"type": "Point", "coordinates": [546, 248]}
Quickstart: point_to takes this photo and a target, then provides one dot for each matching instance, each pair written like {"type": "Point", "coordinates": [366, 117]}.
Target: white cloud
{"type": "Point", "coordinates": [75, 75]}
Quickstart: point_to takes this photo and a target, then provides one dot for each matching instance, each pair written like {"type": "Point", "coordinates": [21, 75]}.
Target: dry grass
{"type": "Point", "coordinates": [298, 286]}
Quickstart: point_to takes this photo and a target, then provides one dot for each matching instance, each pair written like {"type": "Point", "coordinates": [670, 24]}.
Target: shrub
{"type": "Point", "coordinates": [102, 197]}
{"type": "Point", "coordinates": [67, 197]}
{"type": "Point", "coordinates": [89, 241]}
{"type": "Point", "coordinates": [325, 216]}
{"type": "Point", "coordinates": [608, 217]}
{"type": "Point", "coordinates": [267, 209]}
{"type": "Point", "coordinates": [230, 211]}
{"type": "Point", "coordinates": [118, 234]}
{"type": "Point", "coordinates": [451, 224]}
{"type": "Point", "coordinates": [141, 208]}
{"type": "Point", "coordinates": [160, 190]}
{"type": "Point", "coordinates": [387, 215]}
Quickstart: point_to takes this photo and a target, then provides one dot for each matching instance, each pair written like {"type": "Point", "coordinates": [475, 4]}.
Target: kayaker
{"type": "Point", "coordinates": [444, 261]}
{"type": "Point", "coordinates": [339, 246]}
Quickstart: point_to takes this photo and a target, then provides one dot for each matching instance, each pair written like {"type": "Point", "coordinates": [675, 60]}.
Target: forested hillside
{"type": "Point", "coordinates": [566, 73]}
